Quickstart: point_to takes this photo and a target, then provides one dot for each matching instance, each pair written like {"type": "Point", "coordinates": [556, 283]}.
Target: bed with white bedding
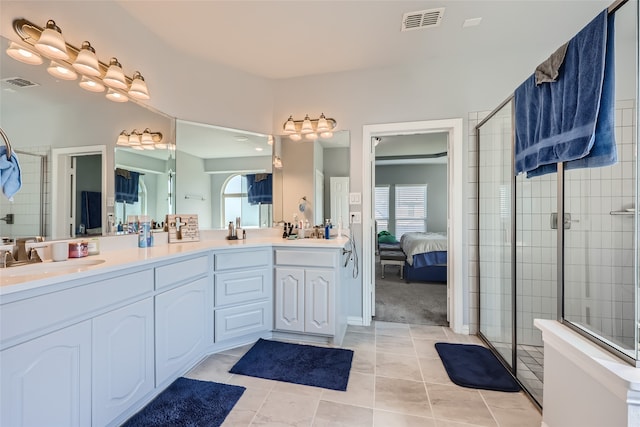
{"type": "Point", "coordinates": [426, 256]}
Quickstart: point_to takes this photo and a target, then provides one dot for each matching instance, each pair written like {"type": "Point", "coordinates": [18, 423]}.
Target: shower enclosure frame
{"type": "Point", "coordinates": [560, 239]}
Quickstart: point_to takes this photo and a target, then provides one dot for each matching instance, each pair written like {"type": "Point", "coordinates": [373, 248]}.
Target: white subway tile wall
{"type": "Point", "coordinates": [26, 204]}
{"type": "Point", "coordinates": [599, 246]}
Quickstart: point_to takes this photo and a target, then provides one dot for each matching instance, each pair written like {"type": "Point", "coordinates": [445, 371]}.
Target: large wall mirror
{"type": "Point", "coordinates": [224, 174]}
{"type": "Point", "coordinates": [64, 137]}
{"type": "Point", "coordinates": [313, 183]}
{"type": "Point", "coordinates": [144, 184]}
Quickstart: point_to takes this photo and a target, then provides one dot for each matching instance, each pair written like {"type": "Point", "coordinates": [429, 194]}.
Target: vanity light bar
{"type": "Point", "coordinates": [145, 140]}
{"type": "Point", "coordinates": [81, 59]}
{"type": "Point", "coordinates": [310, 128]}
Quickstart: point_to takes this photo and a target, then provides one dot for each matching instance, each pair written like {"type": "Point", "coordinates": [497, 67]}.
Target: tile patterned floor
{"type": "Point", "coordinates": [530, 369]}
{"type": "Point", "coordinates": [397, 379]}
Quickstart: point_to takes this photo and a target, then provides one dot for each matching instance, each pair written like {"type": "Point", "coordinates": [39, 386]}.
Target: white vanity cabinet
{"type": "Point", "coordinates": [242, 293]}
{"type": "Point", "coordinates": [306, 287]}
{"type": "Point", "coordinates": [47, 381]}
{"type": "Point", "coordinates": [123, 359]}
{"type": "Point", "coordinates": [181, 314]}
{"type": "Point", "coordinates": [50, 342]}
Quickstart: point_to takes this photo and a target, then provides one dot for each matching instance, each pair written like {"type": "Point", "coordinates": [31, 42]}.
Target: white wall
{"type": "Point", "coordinates": [432, 90]}
{"type": "Point", "coordinates": [435, 176]}
{"type": "Point", "coordinates": [195, 182]}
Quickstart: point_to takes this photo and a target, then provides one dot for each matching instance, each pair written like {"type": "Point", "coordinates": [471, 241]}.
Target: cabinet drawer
{"type": "Point", "coordinates": [242, 286]}
{"type": "Point", "coordinates": [182, 271]}
{"type": "Point", "coordinates": [244, 259]}
{"type": "Point", "coordinates": [29, 315]}
{"type": "Point", "coordinates": [309, 258]}
{"type": "Point", "coordinates": [234, 322]}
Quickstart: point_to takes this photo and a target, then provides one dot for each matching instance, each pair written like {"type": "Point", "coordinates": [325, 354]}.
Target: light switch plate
{"type": "Point", "coordinates": [110, 201]}
{"type": "Point", "coordinates": [356, 217]}
{"type": "Point", "coordinates": [355, 198]}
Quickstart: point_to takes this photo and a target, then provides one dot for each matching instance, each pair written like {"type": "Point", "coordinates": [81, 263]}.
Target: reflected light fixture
{"type": "Point", "coordinates": [114, 96]}
{"type": "Point", "coordinates": [277, 162]}
{"type": "Point", "coordinates": [91, 85]}
{"type": "Point", "coordinates": [123, 139]}
{"type": "Point", "coordinates": [49, 44]}
{"type": "Point", "coordinates": [60, 71]}
{"type": "Point", "coordinates": [87, 62]}
{"type": "Point", "coordinates": [310, 128]}
{"type": "Point", "coordinates": [23, 54]}
{"type": "Point", "coordinates": [147, 140]}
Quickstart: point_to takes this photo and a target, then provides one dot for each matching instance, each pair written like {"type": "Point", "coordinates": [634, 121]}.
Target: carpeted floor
{"type": "Point", "coordinates": [415, 303]}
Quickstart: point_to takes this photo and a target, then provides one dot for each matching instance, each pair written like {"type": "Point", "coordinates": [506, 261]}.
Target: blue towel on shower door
{"type": "Point", "coordinates": [571, 118]}
{"type": "Point", "coordinates": [10, 173]}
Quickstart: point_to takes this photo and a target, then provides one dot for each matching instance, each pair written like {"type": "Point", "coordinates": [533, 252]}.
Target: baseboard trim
{"type": "Point", "coordinates": [356, 321]}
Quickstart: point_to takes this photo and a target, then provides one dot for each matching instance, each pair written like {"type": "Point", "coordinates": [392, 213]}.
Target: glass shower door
{"type": "Point", "coordinates": [495, 231]}
{"type": "Point", "coordinates": [536, 273]}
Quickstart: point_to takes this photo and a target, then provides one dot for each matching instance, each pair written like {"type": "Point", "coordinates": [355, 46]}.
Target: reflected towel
{"type": "Point", "coordinates": [91, 211]}
{"type": "Point", "coordinates": [126, 189]}
{"type": "Point", "coordinates": [563, 121]}
{"type": "Point", "coordinates": [10, 173]}
{"type": "Point", "coordinates": [259, 191]}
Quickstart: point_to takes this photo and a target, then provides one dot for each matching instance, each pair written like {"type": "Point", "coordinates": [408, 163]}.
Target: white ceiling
{"type": "Point", "coordinates": [286, 39]}
{"type": "Point", "coordinates": [289, 39]}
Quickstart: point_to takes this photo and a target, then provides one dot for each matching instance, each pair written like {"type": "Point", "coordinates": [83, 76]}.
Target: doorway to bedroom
{"type": "Point", "coordinates": [410, 202]}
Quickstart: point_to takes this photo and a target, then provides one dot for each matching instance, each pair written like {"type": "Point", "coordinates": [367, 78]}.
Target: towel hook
{"type": "Point", "coordinates": [6, 143]}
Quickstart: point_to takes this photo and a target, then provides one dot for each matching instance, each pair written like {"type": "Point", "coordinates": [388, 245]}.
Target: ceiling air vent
{"type": "Point", "coordinates": [422, 19]}
{"type": "Point", "coordinates": [18, 82]}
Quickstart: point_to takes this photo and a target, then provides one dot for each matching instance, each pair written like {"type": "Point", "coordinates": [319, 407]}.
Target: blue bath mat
{"type": "Point", "coordinates": [475, 366]}
{"type": "Point", "coordinates": [297, 363]}
{"type": "Point", "coordinates": [188, 403]}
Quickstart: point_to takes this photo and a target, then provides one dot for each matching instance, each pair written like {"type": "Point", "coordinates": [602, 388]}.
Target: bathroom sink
{"type": "Point", "coordinates": [50, 267]}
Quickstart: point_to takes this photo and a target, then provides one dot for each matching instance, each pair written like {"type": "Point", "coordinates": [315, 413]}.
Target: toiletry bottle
{"type": "Point", "coordinates": [144, 232]}
{"type": "Point", "coordinates": [231, 231]}
{"type": "Point", "coordinates": [94, 246]}
{"type": "Point", "coordinates": [326, 228]}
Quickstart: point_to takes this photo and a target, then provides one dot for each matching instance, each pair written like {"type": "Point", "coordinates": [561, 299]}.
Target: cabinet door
{"type": "Point", "coordinates": [181, 317]}
{"type": "Point", "coordinates": [47, 381]}
{"type": "Point", "coordinates": [122, 359]}
{"type": "Point", "coordinates": [320, 287]}
{"type": "Point", "coordinates": [233, 322]}
{"type": "Point", "coordinates": [289, 294]}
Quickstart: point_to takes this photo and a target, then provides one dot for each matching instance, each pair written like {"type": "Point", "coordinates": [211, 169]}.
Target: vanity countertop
{"type": "Point", "coordinates": [35, 276]}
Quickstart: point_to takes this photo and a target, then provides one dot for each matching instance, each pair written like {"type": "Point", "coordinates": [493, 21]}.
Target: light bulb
{"type": "Point", "coordinates": [23, 54]}
{"type": "Point", "coordinates": [91, 85]}
{"type": "Point", "coordinates": [114, 96]}
{"type": "Point", "coordinates": [61, 72]}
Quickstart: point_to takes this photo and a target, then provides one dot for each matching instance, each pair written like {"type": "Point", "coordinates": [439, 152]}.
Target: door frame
{"type": "Point", "coordinates": [455, 213]}
{"type": "Point", "coordinates": [60, 159]}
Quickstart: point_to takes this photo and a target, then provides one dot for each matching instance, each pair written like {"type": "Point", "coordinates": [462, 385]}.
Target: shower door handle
{"type": "Point", "coordinates": [566, 223]}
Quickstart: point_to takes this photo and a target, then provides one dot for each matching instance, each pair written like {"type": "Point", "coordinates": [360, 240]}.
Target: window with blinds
{"type": "Point", "coordinates": [410, 208]}
{"type": "Point", "coordinates": [382, 207]}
